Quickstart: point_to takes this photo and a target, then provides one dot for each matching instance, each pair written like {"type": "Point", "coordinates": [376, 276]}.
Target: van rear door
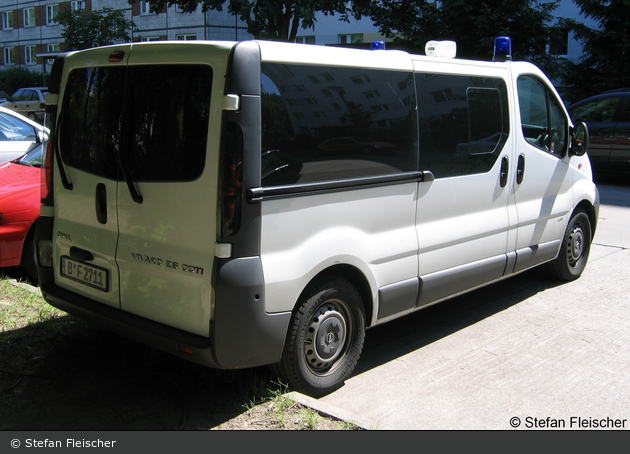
{"type": "Point", "coordinates": [144, 208]}
{"type": "Point", "coordinates": [86, 217]}
{"type": "Point", "coordinates": [166, 246]}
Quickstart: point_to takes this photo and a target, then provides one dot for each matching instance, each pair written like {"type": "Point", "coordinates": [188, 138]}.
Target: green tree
{"type": "Point", "coordinates": [83, 30]}
{"type": "Point", "coordinates": [605, 62]}
{"type": "Point", "coordinates": [277, 20]}
{"type": "Point", "coordinates": [472, 24]}
{"type": "Point", "coordinates": [15, 77]}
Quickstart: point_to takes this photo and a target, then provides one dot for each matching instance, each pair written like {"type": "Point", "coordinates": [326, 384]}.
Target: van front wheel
{"type": "Point", "coordinates": [575, 249]}
{"type": "Point", "coordinates": [325, 338]}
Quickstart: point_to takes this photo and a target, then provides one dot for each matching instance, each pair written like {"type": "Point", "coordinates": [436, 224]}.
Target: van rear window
{"type": "Point", "coordinates": [154, 117]}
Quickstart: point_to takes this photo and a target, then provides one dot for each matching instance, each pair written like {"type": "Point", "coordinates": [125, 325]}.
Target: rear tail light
{"type": "Point", "coordinates": [231, 181]}
{"type": "Point", "coordinates": [44, 253]}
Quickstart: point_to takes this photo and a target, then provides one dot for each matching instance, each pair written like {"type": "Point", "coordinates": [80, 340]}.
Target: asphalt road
{"type": "Point", "coordinates": [526, 353]}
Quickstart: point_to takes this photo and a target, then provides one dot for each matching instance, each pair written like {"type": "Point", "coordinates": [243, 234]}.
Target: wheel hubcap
{"type": "Point", "coordinates": [325, 338]}
{"type": "Point", "coordinates": [576, 245]}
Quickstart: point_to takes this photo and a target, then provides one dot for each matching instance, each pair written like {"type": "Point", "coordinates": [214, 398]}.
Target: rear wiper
{"type": "Point", "coordinates": [124, 149]}
{"type": "Point", "coordinates": [133, 191]}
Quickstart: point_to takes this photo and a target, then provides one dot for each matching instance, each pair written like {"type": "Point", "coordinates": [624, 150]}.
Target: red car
{"type": "Point", "coordinates": [20, 201]}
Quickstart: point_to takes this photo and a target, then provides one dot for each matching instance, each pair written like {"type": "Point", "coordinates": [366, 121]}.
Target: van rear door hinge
{"type": "Point", "coordinates": [231, 102]}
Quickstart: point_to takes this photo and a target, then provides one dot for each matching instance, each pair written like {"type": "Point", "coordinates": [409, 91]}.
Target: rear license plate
{"type": "Point", "coordinates": [90, 275]}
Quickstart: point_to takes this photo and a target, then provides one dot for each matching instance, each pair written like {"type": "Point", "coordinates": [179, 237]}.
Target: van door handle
{"type": "Point", "coordinates": [520, 169]}
{"type": "Point", "coordinates": [101, 203]}
{"type": "Point", "coordinates": [504, 171]}
{"type": "Point", "coordinates": [81, 254]}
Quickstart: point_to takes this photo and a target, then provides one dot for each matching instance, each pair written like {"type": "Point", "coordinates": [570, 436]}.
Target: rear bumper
{"type": "Point", "coordinates": [242, 339]}
{"type": "Point", "coordinates": [242, 334]}
{"type": "Point", "coordinates": [153, 334]}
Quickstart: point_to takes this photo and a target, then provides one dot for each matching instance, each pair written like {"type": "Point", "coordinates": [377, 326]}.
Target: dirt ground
{"type": "Point", "coordinates": [64, 374]}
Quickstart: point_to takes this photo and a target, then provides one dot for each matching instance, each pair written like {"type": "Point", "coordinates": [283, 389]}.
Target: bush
{"type": "Point", "coordinates": [17, 77]}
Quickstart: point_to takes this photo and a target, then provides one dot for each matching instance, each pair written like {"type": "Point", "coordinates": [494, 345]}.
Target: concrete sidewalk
{"type": "Point", "coordinates": [528, 352]}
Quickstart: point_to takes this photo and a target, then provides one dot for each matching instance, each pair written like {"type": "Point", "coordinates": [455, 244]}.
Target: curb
{"type": "Point", "coordinates": [25, 286]}
{"type": "Point", "coordinates": [334, 412]}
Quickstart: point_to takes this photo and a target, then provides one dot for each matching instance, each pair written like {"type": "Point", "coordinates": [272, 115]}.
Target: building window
{"type": "Point", "coordinates": [52, 48]}
{"type": "Point", "coordinates": [351, 39]}
{"type": "Point", "coordinates": [51, 14]}
{"type": "Point", "coordinates": [380, 108]}
{"type": "Point", "coordinates": [305, 39]}
{"type": "Point", "coordinates": [360, 79]}
{"type": "Point", "coordinates": [7, 20]}
{"type": "Point", "coordinates": [29, 55]}
{"type": "Point", "coordinates": [186, 37]}
{"type": "Point", "coordinates": [444, 95]}
{"type": "Point", "coordinates": [77, 5]}
{"type": "Point", "coordinates": [558, 42]}
{"type": "Point", "coordinates": [29, 17]}
{"type": "Point", "coordinates": [146, 39]}
{"type": "Point", "coordinates": [9, 55]}
{"type": "Point", "coordinates": [145, 7]}
{"type": "Point", "coordinates": [327, 76]}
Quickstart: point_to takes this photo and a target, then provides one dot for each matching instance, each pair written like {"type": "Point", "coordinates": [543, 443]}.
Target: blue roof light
{"type": "Point", "coordinates": [378, 45]}
{"type": "Point", "coordinates": [502, 48]}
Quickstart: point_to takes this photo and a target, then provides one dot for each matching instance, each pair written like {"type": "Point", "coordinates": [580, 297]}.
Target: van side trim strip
{"type": "Point", "coordinates": [447, 283]}
{"type": "Point", "coordinates": [397, 297]}
{"type": "Point", "coordinates": [280, 192]}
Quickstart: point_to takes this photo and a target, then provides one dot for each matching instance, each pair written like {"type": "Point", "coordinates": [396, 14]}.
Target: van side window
{"type": "Point", "coordinates": [463, 123]}
{"type": "Point", "coordinates": [155, 117]}
{"type": "Point", "coordinates": [542, 120]}
{"type": "Point", "coordinates": [323, 124]}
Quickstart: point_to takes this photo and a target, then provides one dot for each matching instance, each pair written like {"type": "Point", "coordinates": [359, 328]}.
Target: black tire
{"type": "Point", "coordinates": [575, 249]}
{"type": "Point", "coordinates": [325, 338]}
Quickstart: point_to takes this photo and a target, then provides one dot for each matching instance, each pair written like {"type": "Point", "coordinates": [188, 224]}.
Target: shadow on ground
{"type": "Point", "coordinates": [67, 375]}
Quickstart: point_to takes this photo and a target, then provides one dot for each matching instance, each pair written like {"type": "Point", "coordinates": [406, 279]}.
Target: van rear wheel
{"type": "Point", "coordinates": [575, 249]}
{"type": "Point", "coordinates": [325, 338]}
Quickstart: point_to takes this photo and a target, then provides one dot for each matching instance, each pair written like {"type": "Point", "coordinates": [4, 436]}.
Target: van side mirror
{"type": "Point", "coordinates": [579, 140]}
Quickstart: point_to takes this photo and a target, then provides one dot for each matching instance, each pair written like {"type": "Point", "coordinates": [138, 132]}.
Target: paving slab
{"type": "Point", "coordinates": [527, 353]}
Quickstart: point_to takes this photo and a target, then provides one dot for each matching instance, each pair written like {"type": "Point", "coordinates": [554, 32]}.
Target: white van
{"type": "Point", "coordinates": [253, 203]}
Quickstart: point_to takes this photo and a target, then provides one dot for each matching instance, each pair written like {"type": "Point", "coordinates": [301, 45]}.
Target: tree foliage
{"type": "Point", "coordinates": [277, 20]}
{"type": "Point", "coordinates": [83, 29]}
{"type": "Point", "coordinates": [605, 63]}
{"type": "Point", "coordinates": [15, 77]}
{"type": "Point", "coordinates": [473, 24]}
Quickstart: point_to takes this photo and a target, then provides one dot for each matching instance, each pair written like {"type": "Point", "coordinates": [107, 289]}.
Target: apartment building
{"type": "Point", "coordinates": [30, 36]}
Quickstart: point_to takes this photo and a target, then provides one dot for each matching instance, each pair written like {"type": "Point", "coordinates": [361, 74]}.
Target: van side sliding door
{"type": "Point", "coordinates": [463, 215]}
